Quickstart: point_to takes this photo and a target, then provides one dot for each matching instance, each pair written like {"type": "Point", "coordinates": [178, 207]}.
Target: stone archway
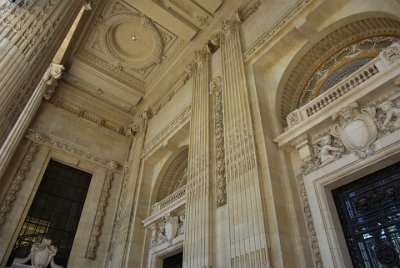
{"type": "Point", "coordinates": [174, 176]}
{"type": "Point", "coordinates": [337, 54]}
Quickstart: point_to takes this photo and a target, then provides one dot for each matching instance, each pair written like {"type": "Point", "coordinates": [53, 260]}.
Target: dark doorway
{"type": "Point", "coordinates": [175, 261]}
{"type": "Point", "coordinates": [369, 211]}
{"type": "Point", "coordinates": [55, 211]}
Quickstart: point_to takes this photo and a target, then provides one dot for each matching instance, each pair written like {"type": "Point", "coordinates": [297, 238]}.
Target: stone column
{"type": "Point", "coordinates": [247, 228]}
{"type": "Point", "coordinates": [31, 31]}
{"type": "Point", "coordinates": [44, 89]}
{"type": "Point", "coordinates": [197, 251]}
{"type": "Point", "coordinates": [119, 245]}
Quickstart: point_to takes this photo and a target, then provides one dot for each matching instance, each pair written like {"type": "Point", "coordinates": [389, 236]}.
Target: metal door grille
{"type": "Point", "coordinates": [369, 212]}
{"type": "Point", "coordinates": [55, 211]}
{"type": "Point", "coordinates": [174, 261]}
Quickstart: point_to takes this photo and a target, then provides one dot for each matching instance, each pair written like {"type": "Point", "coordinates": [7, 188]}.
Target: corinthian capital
{"type": "Point", "coordinates": [231, 25]}
{"type": "Point", "coordinates": [191, 68]}
{"type": "Point", "coordinates": [53, 72]}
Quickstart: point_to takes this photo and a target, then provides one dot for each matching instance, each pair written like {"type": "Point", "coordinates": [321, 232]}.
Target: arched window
{"type": "Point", "coordinates": [335, 57]}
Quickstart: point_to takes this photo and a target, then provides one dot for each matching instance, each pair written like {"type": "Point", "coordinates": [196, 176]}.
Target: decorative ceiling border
{"type": "Point", "coordinates": [267, 35]}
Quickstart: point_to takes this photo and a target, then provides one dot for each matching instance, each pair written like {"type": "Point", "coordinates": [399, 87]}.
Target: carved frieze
{"type": "Point", "coordinates": [59, 144]}
{"type": "Point", "coordinates": [356, 132]}
{"type": "Point", "coordinates": [16, 184]}
{"type": "Point", "coordinates": [312, 235]}
{"type": "Point", "coordinates": [101, 211]}
{"type": "Point", "coordinates": [215, 88]}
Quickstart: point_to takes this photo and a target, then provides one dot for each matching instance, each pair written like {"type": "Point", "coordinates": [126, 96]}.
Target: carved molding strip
{"type": "Point", "coordinates": [266, 36]}
{"type": "Point", "coordinates": [58, 144]}
{"type": "Point", "coordinates": [173, 88]}
{"type": "Point", "coordinates": [101, 211]}
{"type": "Point", "coordinates": [120, 130]}
{"type": "Point", "coordinates": [167, 130]}
{"type": "Point", "coordinates": [312, 236]}
{"type": "Point", "coordinates": [16, 185]}
{"type": "Point", "coordinates": [215, 87]}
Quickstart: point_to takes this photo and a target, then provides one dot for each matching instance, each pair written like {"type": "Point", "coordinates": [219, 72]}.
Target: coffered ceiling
{"type": "Point", "coordinates": [132, 43]}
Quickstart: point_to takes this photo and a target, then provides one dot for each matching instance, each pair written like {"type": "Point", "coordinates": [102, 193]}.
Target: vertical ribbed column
{"type": "Point", "coordinates": [118, 248]}
{"type": "Point", "coordinates": [31, 32]}
{"type": "Point", "coordinates": [196, 252]}
{"type": "Point", "coordinates": [48, 83]}
{"type": "Point", "coordinates": [247, 230]}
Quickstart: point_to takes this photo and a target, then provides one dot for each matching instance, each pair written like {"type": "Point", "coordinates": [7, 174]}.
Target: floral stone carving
{"type": "Point", "coordinates": [356, 129]}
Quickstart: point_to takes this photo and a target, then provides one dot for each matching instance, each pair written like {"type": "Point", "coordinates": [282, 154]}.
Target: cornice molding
{"type": "Point", "coordinates": [173, 125]}
{"type": "Point", "coordinates": [278, 25]}
{"type": "Point", "coordinates": [99, 121]}
{"type": "Point", "coordinates": [61, 145]}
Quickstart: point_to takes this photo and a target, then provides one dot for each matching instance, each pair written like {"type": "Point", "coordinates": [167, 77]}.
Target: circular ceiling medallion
{"type": "Point", "coordinates": [131, 41]}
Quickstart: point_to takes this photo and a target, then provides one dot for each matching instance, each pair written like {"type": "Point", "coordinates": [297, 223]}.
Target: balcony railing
{"type": "Point", "coordinates": [177, 195]}
{"type": "Point", "coordinates": [371, 69]}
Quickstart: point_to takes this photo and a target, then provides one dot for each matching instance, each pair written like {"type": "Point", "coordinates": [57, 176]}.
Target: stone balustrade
{"type": "Point", "coordinates": [177, 195]}
{"type": "Point", "coordinates": [371, 69]}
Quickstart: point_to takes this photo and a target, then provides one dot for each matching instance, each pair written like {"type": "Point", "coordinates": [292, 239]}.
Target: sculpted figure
{"type": "Point", "coordinates": [328, 152]}
{"type": "Point", "coordinates": [182, 224]}
{"type": "Point", "coordinates": [392, 115]}
{"type": "Point", "coordinates": [161, 238]}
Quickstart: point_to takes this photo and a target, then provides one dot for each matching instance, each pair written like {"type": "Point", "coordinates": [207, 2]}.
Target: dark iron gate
{"type": "Point", "coordinates": [369, 211]}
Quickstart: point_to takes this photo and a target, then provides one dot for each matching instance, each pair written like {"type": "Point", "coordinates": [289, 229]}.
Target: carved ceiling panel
{"type": "Point", "coordinates": [127, 40]}
{"type": "Point", "coordinates": [130, 45]}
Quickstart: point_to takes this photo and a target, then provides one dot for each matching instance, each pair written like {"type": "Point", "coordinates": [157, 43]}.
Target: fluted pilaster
{"type": "Point", "coordinates": [119, 244]}
{"type": "Point", "coordinates": [43, 90]}
{"type": "Point", "coordinates": [247, 230]}
{"type": "Point", "coordinates": [31, 32]}
{"type": "Point", "coordinates": [197, 244]}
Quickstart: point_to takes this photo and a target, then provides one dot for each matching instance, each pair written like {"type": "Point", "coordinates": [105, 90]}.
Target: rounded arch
{"type": "Point", "coordinates": [334, 39]}
{"type": "Point", "coordinates": [173, 175]}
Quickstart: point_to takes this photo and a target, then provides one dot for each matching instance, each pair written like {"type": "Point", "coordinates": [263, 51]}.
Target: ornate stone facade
{"type": "Point", "coordinates": [216, 129]}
